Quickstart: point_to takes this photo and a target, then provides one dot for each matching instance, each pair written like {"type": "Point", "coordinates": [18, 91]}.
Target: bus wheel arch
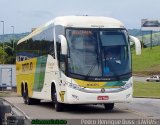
{"type": "Point", "coordinates": [58, 106]}
{"type": "Point", "coordinates": [25, 86]}
{"type": "Point", "coordinates": [22, 89]}
{"type": "Point", "coordinates": [53, 91]}
{"type": "Point", "coordinates": [25, 94]}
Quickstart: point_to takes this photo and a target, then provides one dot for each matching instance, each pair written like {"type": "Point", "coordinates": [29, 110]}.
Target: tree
{"type": "Point", "coordinates": [11, 58]}
{"type": "Point", "coordinates": [3, 55]}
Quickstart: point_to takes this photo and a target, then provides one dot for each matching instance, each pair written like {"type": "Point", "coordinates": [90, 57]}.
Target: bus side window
{"type": "Point", "coordinates": [21, 58]}
{"type": "Point", "coordinates": [62, 63]}
{"type": "Point", "coordinates": [51, 50]}
{"type": "Point", "coordinates": [17, 58]}
{"type": "Point", "coordinates": [25, 58]}
{"type": "Point", "coordinates": [61, 58]}
{"type": "Point", "coordinates": [49, 42]}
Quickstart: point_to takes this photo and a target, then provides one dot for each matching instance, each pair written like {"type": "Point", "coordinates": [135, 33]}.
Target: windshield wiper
{"type": "Point", "coordinates": [90, 70]}
{"type": "Point", "coordinates": [92, 67]}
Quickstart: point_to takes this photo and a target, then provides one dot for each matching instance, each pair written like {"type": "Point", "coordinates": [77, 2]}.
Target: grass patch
{"type": "Point", "coordinates": [146, 89]}
{"type": "Point", "coordinates": [3, 94]}
{"type": "Point", "coordinates": [7, 94]}
{"type": "Point", "coordinates": [148, 62]}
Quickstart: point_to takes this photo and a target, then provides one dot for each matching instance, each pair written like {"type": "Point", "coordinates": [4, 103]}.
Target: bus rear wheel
{"type": "Point", "coordinates": [109, 106]}
{"type": "Point", "coordinates": [28, 100]}
{"type": "Point", "coordinates": [58, 106]}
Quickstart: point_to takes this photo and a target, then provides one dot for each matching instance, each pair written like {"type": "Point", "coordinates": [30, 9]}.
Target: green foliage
{"type": "Point", "coordinates": [11, 53]}
{"type": "Point", "coordinates": [146, 89]}
{"type": "Point", "coordinates": [9, 56]}
{"type": "Point", "coordinates": [3, 55]}
{"type": "Point", "coordinates": [148, 61]}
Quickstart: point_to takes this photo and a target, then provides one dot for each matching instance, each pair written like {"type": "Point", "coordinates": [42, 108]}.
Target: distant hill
{"type": "Point", "coordinates": [8, 37]}
{"type": "Point", "coordinates": [137, 32]}
{"type": "Point", "coordinates": [133, 32]}
{"type": "Point", "coordinates": [146, 36]}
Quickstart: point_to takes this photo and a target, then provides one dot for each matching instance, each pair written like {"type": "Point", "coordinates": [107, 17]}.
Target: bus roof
{"type": "Point", "coordinates": [79, 22]}
{"type": "Point", "coordinates": [88, 22]}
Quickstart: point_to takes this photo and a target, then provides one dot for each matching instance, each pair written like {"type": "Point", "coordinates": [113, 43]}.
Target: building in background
{"type": "Point", "coordinates": [7, 77]}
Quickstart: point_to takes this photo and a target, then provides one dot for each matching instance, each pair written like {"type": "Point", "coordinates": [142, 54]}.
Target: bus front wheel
{"type": "Point", "coordinates": [58, 106]}
{"type": "Point", "coordinates": [109, 106]}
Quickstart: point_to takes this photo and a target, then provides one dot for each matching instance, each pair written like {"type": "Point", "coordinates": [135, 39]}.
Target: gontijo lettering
{"type": "Point", "coordinates": [27, 66]}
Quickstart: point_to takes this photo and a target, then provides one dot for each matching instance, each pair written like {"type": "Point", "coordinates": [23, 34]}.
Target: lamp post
{"type": "Point", "coordinates": [3, 40]}
{"type": "Point", "coordinates": [13, 35]}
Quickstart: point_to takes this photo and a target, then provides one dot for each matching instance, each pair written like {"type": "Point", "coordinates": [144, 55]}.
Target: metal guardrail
{"type": "Point", "coordinates": [12, 115]}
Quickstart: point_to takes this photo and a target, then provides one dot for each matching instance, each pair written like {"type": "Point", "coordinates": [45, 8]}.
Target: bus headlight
{"type": "Point", "coordinates": [74, 86]}
{"type": "Point", "coordinates": [128, 84]}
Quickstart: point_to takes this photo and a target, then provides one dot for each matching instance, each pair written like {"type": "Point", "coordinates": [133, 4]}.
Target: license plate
{"type": "Point", "coordinates": [102, 97]}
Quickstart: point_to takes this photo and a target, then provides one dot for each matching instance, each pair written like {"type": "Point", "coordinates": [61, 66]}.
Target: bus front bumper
{"type": "Point", "coordinates": [72, 96]}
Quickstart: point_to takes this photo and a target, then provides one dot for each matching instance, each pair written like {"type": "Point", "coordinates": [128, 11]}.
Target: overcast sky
{"type": "Point", "coordinates": [27, 14]}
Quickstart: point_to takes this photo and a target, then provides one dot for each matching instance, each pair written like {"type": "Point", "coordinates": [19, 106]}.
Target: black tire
{"type": "Point", "coordinates": [28, 100]}
{"type": "Point", "coordinates": [35, 101]}
{"type": "Point", "coordinates": [109, 106]}
{"type": "Point", "coordinates": [22, 90]}
{"type": "Point", "coordinates": [58, 106]}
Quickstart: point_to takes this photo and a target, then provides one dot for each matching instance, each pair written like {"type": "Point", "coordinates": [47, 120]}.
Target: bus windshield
{"type": "Point", "coordinates": [98, 53]}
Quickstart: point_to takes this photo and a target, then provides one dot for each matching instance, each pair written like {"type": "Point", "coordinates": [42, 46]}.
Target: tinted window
{"type": "Point", "coordinates": [39, 45]}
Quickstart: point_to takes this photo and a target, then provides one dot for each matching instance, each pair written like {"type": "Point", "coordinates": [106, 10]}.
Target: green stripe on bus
{"type": "Point", "coordinates": [116, 83]}
{"type": "Point", "coordinates": [40, 73]}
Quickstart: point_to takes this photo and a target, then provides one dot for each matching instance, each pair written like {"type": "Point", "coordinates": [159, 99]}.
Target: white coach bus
{"type": "Point", "coordinates": [76, 60]}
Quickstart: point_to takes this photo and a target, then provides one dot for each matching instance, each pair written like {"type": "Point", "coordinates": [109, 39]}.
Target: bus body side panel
{"type": "Point", "coordinates": [50, 76]}
{"type": "Point", "coordinates": [25, 74]}
{"type": "Point", "coordinates": [40, 73]}
{"type": "Point", "coordinates": [32, 73]}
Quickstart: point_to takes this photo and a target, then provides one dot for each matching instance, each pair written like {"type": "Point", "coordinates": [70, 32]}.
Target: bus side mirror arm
{"type": "Point", "coordinates": [137, 44]}
{"type": "Point", "coordinates": [63, 42]}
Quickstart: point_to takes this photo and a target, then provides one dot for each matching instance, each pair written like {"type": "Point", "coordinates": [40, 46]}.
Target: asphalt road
{"type": "Point", "coordinates": [139, 108]}
{"type": "Point", "coordinates": [140, 79]}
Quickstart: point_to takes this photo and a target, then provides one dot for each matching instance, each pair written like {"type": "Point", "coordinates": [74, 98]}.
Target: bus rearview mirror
{"type": "Point", "coordinates": [63, 42]}
{"type": "Point", "coordinates": [137, 44]}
